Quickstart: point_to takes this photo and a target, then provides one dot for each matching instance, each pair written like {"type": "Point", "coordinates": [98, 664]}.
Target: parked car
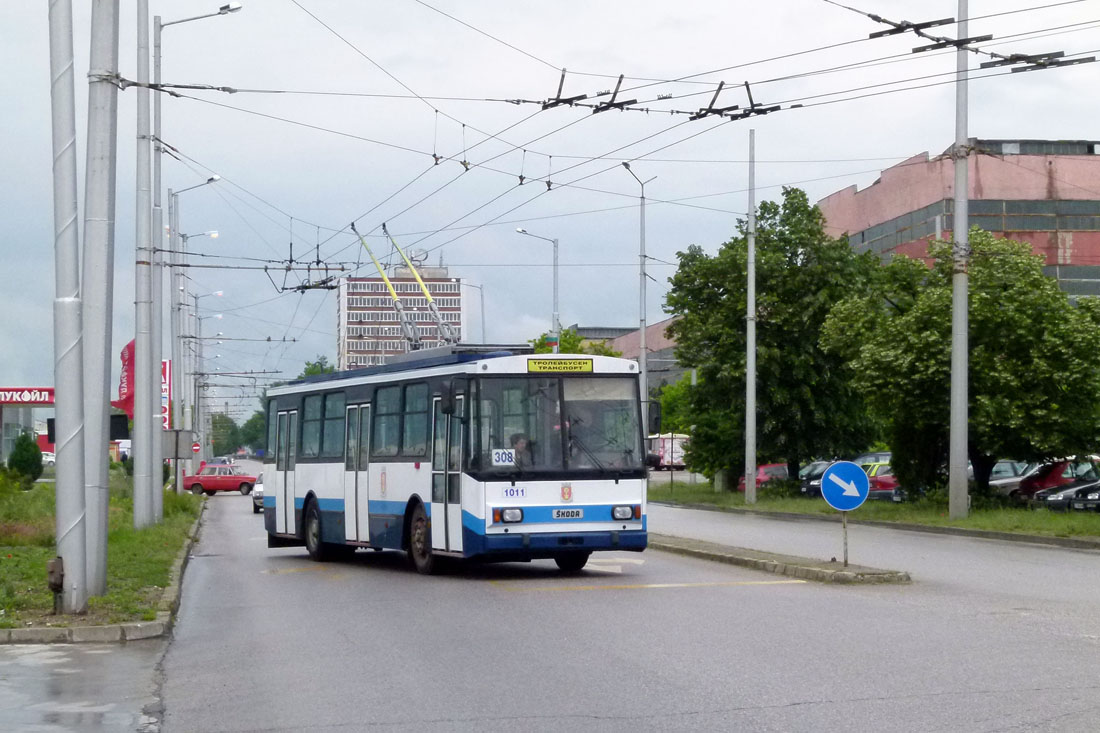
{"type": "Point", "coordinates": [1007, 475]}
{"type": "Point", "coordinates": [882, 456]}
{"type": "Point", "coordinates": [810, 476]}
{"type": "Point", "coordinates": [258, 495]}
{"type": "Point", "coordinates": [1087, 499]}
{"type": "Point", "coordinates": [48, 458]}
{"type": "Point", "coordinates": [884, 483]}
{"type": "Point", "coordinates": [1055, 474]}
{"type": "Point", "coordinates": [766, 473]}
{"type": "Point", "coordinates": [219, 461]}
{"type": "Point", "coordinates": [212, 479]}
{"type": "Point", "coordinates": [1059, 498]}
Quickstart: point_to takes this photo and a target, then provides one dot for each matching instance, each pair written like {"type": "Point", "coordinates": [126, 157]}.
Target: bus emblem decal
{"type": "Point", "coordinates": [567, 492]}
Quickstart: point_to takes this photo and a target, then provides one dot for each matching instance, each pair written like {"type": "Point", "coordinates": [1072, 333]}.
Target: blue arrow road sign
{"type": "Point", "coordinates": [845, 486]}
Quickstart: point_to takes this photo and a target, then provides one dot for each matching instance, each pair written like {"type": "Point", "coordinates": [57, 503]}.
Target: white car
{"type": "Point", "coordinates": [258, 495]}
{"type": "Point", "coordinates": [47, 458]}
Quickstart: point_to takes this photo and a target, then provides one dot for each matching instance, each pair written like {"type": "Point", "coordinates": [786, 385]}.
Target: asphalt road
{"type": "Point", "coordinates": [991, 636]}
{"type": "Point", "coordinates": [267, 640]}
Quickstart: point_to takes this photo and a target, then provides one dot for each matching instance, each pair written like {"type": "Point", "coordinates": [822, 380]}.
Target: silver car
{"type": "Point", "coordinates": [258, 495]}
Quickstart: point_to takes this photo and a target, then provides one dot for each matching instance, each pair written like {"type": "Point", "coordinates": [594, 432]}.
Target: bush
{"type": "Point", "coordinates": [26, 458]}
{"type": "Point", "coordinates": [779, 489]}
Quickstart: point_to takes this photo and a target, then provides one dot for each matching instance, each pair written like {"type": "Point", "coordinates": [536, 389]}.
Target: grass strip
{"type": "Point", "coordinates": [1016, 520]}
{"type": "Point", "coordinates": [138, 561]}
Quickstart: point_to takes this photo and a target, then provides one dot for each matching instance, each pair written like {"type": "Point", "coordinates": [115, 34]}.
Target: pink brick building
{"type": "Point", "coordinates": [1043, 192]}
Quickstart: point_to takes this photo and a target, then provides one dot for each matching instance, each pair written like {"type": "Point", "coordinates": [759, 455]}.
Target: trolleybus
{"type": "Point", "coordinates": [496, 456]}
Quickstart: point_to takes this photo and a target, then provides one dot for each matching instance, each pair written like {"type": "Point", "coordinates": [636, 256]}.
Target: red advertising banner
{"type": "Point", "coordinates": [125, 401]}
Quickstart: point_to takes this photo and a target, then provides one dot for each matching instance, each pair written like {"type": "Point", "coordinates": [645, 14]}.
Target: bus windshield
{"type": "Point", "coordinates": [554, 425]}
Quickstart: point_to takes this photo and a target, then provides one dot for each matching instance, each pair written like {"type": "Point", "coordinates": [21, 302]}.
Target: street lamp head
{"type": "Point", "coordinates": [214, 178]}
{"type": "Point", "coordinates": [217, 293]}
{"type": "Point", "coordinates": [521, 230]}
{"type": "Point", "coordinates": [213, 234]}
{"type": "Point", "coordinates": [229, 8]}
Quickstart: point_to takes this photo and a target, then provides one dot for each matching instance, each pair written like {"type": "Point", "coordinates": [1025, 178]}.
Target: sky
{"type": "Point", "coordinates": [341, 106]}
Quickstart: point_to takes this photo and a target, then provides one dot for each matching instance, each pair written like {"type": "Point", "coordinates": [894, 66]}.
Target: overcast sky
{"type": "Point", "coordinates": [333, 157]}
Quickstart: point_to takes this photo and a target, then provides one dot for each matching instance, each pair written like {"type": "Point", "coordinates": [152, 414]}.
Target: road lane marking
{"type": "Point", "coordinates": [304, 569]}
{"type": "Point", "coordinates": [518, 588]}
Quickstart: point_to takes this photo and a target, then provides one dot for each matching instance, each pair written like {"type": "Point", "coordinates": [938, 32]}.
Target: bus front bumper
{"type": "Point", "coordinates": [536, 545]}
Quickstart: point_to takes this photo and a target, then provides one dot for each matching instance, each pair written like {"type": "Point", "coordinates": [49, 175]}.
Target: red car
{"type": "Point", "coordinates": [766, 473]}
{"type": "Point", "coordinates": [1053, 475]}
{"type": "Point", "coordinates": [219, 478]}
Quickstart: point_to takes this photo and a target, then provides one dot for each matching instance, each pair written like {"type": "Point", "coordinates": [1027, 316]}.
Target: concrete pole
{"type": "Point", "coordinates": [750, 332]}
{"type": "Point", "coordinates": [143, 347]}
{"type": "Point", "coordinates": [98, 280]}
{"type": "Point", "coordinates": [68, 348]}
{"type": "Point", "coordinates": [556, 325]}
{"type": "Point", "coordinates": [157, 333]}
{"type": "Point", "coordinates": [958, 488]}
{"type": "Point", "coordinates": [643, 368]}
{"type": "Point", "coordinates": [481, 293]}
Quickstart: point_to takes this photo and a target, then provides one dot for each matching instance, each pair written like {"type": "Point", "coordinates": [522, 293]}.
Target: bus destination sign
{"type": "Point", "coordinates": [559, 365]}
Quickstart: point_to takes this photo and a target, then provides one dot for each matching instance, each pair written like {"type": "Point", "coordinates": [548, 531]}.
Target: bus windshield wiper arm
{"type": "Point", "coordinates": [580, 444]}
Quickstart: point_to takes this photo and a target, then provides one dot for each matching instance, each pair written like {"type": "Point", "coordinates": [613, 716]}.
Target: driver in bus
{"type": "Point", "coordinates": [521, 449]}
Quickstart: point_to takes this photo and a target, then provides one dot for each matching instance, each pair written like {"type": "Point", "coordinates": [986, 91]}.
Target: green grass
{"type": "Point", "coordinates": [1041, 522]}
{"type": "Point", "coordinates": [138, 561]}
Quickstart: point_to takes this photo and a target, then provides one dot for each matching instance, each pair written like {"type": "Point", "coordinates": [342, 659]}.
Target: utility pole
{"type": "Point", "coordinates": [958, 488]}
{"type": "Point", "coordinates": [68, 348]}
{"type": "Point", "coordinates": [643, 370]}
{"type": "Point", "coordinates": [98, 279]}
{"type": "Point", "coordinates": [158, 292]}
{"type": "Point", "coordinates": [143, 347]}
{"type": "Point", "coordinates": [750, 332]}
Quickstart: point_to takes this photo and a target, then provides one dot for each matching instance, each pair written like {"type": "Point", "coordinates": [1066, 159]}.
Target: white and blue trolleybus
{"type": "Point", "coordinates": [494, 456]}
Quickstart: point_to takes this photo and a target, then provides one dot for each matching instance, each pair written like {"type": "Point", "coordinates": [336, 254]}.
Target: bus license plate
{"type": "Point", "coordinates": [568, 514]}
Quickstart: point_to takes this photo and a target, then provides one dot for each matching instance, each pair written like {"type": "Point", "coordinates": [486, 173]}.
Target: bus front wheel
{"type": "Point", "coordinates": [572, 562]}
{"type": "Point", "coordinates": [420, 542]}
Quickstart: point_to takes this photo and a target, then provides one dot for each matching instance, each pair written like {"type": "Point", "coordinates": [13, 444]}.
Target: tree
{"type": "Point", "coordinates": [676, 414]}
{"type": "Point", "coordinates": [1034, 386]}
{"type": "Point", "coordinates": [320, 366]}
{"type": "Point", "coordinates": [26, 458]}
{"type": "Point", "coordinates": [572, 343]}
{"type": "Point", "coordinates": [806, 402]}
{"type": "Point", "coordinates": [225, 436]}
{"type": "Point", "coordinates": [253, 433]}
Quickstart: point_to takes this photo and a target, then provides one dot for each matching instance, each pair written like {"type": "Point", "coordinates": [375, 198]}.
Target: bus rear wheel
{"type": "Point", "coordinates": [573, 562]}
{"type": "Point", "coordinates": [311, 531]}
{"type": "Point", "coordinates": [420, 542]}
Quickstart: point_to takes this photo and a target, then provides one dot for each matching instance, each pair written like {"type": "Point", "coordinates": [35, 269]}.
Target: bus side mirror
{"type": "Point", "coordinates": [448, 395]}
{"type": "Point", "coordinates": [654, 426]}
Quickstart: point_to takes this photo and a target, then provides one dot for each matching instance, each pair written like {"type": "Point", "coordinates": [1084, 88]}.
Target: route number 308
{"type": "Point", "coordinates": [504, 457]}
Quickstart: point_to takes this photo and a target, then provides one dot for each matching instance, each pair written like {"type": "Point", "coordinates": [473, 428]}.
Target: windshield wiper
{"type": "Point", "coordinates": [574, 440]}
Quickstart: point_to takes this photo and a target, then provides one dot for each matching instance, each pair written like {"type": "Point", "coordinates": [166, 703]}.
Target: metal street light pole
{"type": "Point", "coordinates": [69, 519]}
{"type": "Point", "coordinates": [643, 372]}
{"type": "Point", "coordinates": [555, 324]}
{"type": "Point", "coordinates": [957, 440]}
{"type": "Point", "coordinates": [97, 280]}
{"type": "Point", "coordinates": [481, 291]}
{"type": "Point", "coordinates": [143, 301]}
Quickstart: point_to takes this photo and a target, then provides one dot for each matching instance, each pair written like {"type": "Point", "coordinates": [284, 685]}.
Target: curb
{"type": "Point", "coordinates": [130, 631]}
{"type": "Point", "coordinates": [1029, 539]}
{"type": "Point", "coordinates": [802, 568]}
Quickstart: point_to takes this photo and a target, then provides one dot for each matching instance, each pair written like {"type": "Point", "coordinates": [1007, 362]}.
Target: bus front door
{"type": "Point", "coordinates": [447, 431]}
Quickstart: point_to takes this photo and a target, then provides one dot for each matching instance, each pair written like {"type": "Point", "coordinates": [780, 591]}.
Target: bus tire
{"type": "Point", "coordinates": [573, 562]}
{"type": "Point", "coordinates": [420, 541]}
{"type": "Point", "coordinates": [311, 533]}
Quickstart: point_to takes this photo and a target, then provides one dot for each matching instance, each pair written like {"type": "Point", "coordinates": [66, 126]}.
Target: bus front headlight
{"type": "Point", "coordinates": [622, 512]}
{"type": "Point", "coordinates": [509, 516]}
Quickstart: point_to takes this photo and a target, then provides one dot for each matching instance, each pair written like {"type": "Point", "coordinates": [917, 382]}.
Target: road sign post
{"type": "Point", "coordinates": [844, 487]}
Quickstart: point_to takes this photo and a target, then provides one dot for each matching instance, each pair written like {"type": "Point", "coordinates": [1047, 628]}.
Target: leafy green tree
{"type": "Point", "coordinates": [807, 405]}
{"type": "Point", "coordinates": [320, 366]}
{"type": "Point", "coordinates": [26, 458]}
{"type": "Point", "coordinates": [1034, 384]}
{"type": "Point", "coordinates": [254, 432]}
{"type": "Point", "coordinates": [676, 413]}
{"type": "Point", "coordinates": [225, 434]}
{"type": "Point", "coordinates": [572, 343]}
